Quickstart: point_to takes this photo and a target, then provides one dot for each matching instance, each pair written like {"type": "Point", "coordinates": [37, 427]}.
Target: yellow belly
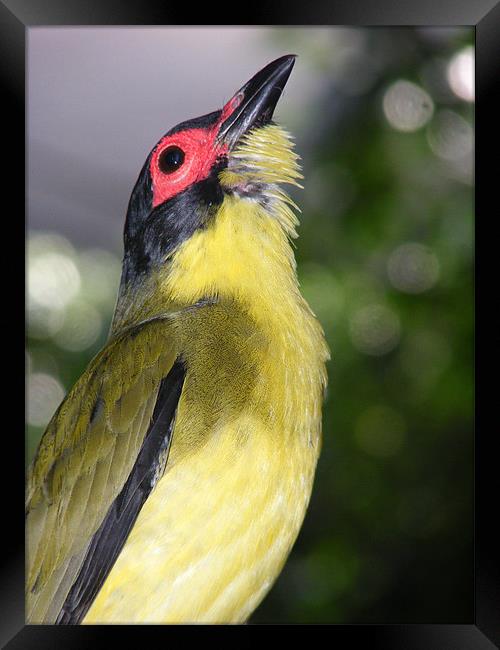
{"type": "Point", "coordinates": [213, 536]}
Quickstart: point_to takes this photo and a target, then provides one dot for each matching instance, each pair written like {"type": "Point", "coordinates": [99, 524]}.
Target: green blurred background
{"type": "Point", "coordinates": [383, 119]}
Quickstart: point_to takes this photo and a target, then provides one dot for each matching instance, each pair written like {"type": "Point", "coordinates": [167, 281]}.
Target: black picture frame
{"type": "Point", "coordinates": [16, 18]}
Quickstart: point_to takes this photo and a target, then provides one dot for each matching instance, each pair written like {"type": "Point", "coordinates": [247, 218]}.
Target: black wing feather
{"type": "Point", "coordinates": [108, 541]}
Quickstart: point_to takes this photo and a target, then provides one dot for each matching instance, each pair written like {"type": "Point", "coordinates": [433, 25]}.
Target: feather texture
{"type": "Point", "coordinates": [86, 455]}
{"type": "Point", "coordinates": [108, 540]}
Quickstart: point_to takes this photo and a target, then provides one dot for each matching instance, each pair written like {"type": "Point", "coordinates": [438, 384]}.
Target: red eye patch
{"type": "Point", "coordinates": [200, 153]}
{"type": "Point", "coordinates": [187, 157]}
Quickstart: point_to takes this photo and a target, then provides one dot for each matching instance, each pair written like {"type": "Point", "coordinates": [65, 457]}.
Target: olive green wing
{"type": "Point", "coordinates": [86, 456]}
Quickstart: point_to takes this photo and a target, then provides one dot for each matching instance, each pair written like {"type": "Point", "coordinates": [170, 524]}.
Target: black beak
{"type": "Point", "coordinates": [255, 102]}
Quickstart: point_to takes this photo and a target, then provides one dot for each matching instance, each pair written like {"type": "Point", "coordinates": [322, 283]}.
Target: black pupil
{"type": "Point", "coordinates": [171, 159]}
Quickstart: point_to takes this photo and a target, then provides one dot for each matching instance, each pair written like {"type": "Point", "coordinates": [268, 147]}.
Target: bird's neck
{"type": "Point", "coordinates": [243, 256]}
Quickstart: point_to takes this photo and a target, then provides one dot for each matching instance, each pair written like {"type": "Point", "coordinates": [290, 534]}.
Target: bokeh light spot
{"type": "Point", "coordinates": [374, 329]}
{"type": "Point", "coordinates": [460, 74]}
{"type": "Point", "coordinates": [81, 328]}
{"type": "Point", "coordinates": [44, 322]}
{"type": "Point", "coordinates": [450, 136]}
{"type": "Point", "coordinates": [413, 268]}
{"type": "Point", "coordinates": [53, 280]}
{"type": "Point", "coordinates": [407, 106]}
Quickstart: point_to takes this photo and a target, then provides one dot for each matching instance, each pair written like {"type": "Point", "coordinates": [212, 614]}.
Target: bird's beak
{"type": "Point", "coordinates": [254, 104]}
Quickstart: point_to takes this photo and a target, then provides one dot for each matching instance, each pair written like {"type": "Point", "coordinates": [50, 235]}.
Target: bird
{"type": "Point", "coordinates": [171, 483]}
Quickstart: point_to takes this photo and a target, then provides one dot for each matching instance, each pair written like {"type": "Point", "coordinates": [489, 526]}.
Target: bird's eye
{"type": "Point", "coordinates": [170, 159]}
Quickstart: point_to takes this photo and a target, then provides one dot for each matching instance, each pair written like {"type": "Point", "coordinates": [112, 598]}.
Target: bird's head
{"type": "Point", "coordinates": [209, 192]}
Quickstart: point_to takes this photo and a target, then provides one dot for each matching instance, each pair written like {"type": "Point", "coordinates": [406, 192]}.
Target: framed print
{"type": "Point", "coordinates": [396, 548]}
